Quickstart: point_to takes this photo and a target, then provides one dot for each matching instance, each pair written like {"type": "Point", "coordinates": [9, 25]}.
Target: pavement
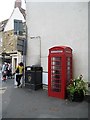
{"type": "Point", "coordinates": [0, 96]}
{"type": "Point", "coordinates": [26, 103]}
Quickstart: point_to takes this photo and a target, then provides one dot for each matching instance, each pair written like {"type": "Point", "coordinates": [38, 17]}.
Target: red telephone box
{"type": "Point", "coordinates": [59, 70]}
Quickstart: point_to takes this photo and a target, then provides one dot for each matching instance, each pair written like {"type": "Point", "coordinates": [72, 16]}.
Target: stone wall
{"type": "Point", "coordinates": [9, 41]}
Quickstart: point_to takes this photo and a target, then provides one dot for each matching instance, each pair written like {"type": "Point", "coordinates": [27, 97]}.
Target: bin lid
{"type": "Point", "coordinates": [34, 68]}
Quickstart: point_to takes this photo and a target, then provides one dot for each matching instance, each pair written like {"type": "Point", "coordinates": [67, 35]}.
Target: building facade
{"type": "Point", "coordinates": [12, 30]}
{"type": "Point", "coordinates": [52, 24]}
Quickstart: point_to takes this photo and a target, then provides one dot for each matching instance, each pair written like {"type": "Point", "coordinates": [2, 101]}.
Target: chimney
{"type": "Point", "coordinates": [18, 3]}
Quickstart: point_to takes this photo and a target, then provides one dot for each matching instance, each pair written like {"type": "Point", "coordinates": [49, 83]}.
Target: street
{"type": "Point", "coordinates": [27, 103]}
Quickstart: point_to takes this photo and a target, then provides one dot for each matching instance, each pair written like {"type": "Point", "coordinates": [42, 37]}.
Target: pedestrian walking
{"type": "Point", "coordinates": [9, 71]}
{"type": "Point", "coordinates": [19, 73]}
{"type": "Point", "coordinates": [4, 71]}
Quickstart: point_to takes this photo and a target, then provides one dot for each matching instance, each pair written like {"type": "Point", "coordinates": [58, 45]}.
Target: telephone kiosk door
{"type": "Point", "coordinates": [59, 71]}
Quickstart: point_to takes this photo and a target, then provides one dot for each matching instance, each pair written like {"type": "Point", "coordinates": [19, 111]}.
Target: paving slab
{"type": "Point", "coordinates": [27, 103]}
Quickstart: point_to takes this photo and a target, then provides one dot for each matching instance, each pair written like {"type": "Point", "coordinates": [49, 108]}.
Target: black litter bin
{"type": "Point", "coordinates": [33, 77]}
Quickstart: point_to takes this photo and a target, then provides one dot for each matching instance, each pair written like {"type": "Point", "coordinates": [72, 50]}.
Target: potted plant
{"type": "Point", "coordinates": [76, 89]}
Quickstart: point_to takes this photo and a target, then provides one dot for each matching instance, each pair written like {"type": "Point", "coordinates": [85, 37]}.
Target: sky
{"type": "Point", "coordinates": [6, 8]}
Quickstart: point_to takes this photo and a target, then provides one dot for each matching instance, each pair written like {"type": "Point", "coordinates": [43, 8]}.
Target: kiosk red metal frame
{"type": "Point", "coordinates": [59, 70]}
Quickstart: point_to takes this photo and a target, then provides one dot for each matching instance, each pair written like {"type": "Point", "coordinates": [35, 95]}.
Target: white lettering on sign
{"type": "Point", "coordinates": [57, 51]}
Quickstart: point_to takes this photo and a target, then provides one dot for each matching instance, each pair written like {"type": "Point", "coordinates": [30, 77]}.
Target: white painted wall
{"type": "Point", "coordinates": [34, 51]}
{"type": "Point", "coordinates": [18, 56]}
{"type": "Point", "coordinates": [60, 23]}
{"type": "Point", "coordinates": [16, 14]}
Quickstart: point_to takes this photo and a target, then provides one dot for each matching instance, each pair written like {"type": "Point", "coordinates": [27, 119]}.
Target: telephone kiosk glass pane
{"type": "Point", "coordinates": [56, 74]}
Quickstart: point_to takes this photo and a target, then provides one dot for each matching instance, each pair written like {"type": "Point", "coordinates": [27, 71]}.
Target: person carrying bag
{"type": "Point", "coordinates": [19, 73]}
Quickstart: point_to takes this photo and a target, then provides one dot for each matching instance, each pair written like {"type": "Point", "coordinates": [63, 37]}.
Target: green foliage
{"type": "Point", "coordinates": [77, 85]}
